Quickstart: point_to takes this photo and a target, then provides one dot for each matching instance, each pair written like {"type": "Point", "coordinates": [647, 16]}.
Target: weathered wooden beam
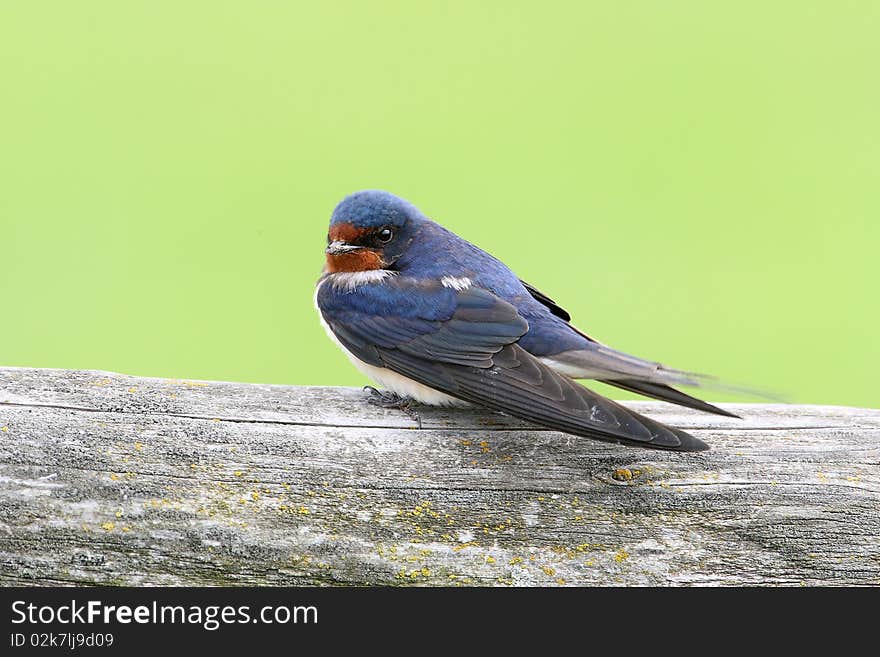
{"type": "Point", "coordinates": [111, 479]}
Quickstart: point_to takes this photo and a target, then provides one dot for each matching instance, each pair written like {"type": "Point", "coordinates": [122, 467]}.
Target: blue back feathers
{"type": "Point", "coordinates": [427, 251]}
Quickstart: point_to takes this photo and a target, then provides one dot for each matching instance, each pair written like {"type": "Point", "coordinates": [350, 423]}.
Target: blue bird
{"type": "Point", "coordinates": [435, 319]}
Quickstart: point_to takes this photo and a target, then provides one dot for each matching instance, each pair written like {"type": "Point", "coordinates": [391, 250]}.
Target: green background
{"type": "Point", "coordinates": [697, 182]}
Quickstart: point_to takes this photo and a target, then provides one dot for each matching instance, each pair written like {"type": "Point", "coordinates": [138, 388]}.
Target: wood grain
{"type": "Point", "coordinates": [112, 479]}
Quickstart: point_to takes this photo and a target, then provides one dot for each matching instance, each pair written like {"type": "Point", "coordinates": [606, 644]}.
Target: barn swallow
{"type": "Point", "coordinates": [435, 319]}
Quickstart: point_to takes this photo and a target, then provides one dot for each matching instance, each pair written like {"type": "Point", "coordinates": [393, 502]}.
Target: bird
{"type": "Point", "coordinates": [436, 320]}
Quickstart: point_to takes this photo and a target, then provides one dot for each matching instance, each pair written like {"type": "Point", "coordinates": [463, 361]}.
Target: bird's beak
{"type": "Point", "coordinates": [338, 247]}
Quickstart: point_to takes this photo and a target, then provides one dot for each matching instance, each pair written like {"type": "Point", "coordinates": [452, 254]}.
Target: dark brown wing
{"type": "Point", "coordinates": [520, 385]}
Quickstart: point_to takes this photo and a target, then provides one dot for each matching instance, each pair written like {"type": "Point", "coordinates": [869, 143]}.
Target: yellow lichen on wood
{"type": "Point", "coordinates": [459, 548]}
{"type": "Point", "coordinates": [622, 474]}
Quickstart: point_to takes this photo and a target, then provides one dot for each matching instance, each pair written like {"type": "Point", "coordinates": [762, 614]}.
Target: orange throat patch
{"type": "Point", "coordinates": [360, 260]}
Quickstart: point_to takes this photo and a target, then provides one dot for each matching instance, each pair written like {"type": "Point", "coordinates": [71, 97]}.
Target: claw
{"type": "Point", "coordinates": [389, 399]}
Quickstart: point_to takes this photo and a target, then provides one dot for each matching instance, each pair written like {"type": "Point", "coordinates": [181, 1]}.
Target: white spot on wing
{"type": "Point", "coordinates": [458, 283]}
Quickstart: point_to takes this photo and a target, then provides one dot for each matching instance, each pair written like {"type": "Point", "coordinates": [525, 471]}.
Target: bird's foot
{"type": "Point", "coordinates": [389, 399]}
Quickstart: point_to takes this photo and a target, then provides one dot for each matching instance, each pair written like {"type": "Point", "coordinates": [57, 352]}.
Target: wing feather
{"type": "Point", "coordinates": [520, 385]}
{"type": "Point", "coordinates": [468, 349]}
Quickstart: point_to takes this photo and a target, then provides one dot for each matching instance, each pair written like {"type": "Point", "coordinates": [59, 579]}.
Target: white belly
{"type": "Point", "coordinates": [391, 380]}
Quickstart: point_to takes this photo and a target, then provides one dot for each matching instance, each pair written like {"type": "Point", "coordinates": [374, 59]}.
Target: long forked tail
{"type": "Point", "coordinates": [667, 393]}
{"type": "Point", "coordinates": [649, 378]}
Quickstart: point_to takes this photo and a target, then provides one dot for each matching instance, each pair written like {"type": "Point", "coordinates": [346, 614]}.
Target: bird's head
{"type": "Point", "coordinates": [370, 230]}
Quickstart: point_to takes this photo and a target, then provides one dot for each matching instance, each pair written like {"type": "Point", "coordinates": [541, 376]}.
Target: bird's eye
{"type": "Point", "coordinates": [385, 235]}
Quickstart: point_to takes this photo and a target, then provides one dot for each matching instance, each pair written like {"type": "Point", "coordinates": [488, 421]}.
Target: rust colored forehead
{"type": "Point", "coordinates": [347, 232]}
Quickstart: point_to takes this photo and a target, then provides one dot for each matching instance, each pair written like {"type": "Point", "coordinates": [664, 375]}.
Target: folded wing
{"type": "Point", "coordinates": [466, 346]}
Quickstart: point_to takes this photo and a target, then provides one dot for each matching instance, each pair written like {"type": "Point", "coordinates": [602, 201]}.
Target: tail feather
{"type": "Point", "coordinates": [669, 394]}
{"type": "Point", "coordinates": [643, 377]}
